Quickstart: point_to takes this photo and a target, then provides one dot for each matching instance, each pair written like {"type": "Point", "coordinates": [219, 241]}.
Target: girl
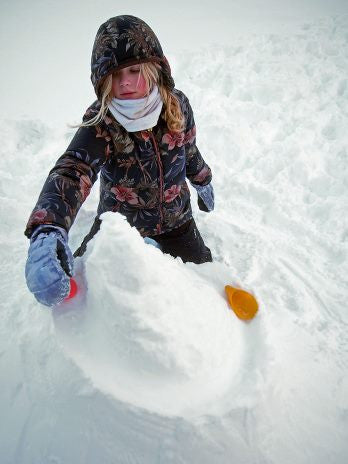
{"type": "Point", "coordinates": [140, 133]}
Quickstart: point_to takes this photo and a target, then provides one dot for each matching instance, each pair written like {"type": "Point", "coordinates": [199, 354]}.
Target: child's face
{"type": "Point", "coordinates": [128, 83]}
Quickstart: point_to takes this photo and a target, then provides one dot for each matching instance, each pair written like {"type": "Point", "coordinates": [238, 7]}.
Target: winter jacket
{"type": "Point", "coordinates": [142, 174]}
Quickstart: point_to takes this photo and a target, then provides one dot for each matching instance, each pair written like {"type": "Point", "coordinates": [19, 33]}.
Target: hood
{"type": "Point", "coordinates": [122, 41]}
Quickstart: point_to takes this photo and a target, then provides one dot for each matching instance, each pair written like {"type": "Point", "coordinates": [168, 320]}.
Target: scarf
{"type": "Point", "coordinates": [137, 114]}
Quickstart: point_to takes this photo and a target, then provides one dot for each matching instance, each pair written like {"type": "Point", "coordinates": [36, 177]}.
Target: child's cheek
{"type": "Point", "coordinates": [142, 86]}
{"type": "Point", "coordinates": [114, 87]}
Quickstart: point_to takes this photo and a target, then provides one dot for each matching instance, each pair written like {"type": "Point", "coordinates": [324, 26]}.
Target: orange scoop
{"type": "Point", "coordinates": [243, 303]}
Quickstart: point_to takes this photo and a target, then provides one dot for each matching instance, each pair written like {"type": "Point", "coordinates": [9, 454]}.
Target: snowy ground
{"type": "Point", "coordinates": [134, 372]}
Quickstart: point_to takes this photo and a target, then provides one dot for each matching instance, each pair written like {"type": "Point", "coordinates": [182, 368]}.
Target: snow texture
{"type": "Point", "coordinates": [148, 364]}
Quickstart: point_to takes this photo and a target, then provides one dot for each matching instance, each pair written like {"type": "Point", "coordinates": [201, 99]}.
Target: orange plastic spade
{"type": "Point", "coordinates": [243, 303]}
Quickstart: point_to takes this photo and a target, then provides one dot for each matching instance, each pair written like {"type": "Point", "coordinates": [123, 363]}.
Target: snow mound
{"type": "Point", "coordinates": [149, 330]}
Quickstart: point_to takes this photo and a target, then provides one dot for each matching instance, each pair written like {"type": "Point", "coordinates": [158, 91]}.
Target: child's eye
{"type": "Point", "coordinates": [135, 70]}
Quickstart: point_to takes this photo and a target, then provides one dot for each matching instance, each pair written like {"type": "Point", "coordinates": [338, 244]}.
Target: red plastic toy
{"type": "Point", "coordinates": [73, 289]}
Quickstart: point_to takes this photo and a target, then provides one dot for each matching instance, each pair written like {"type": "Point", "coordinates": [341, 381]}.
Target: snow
{"type": "Point", "coordinates": [148, 364]}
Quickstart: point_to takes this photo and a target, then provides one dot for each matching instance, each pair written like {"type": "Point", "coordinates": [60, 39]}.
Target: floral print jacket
{"type": "Point", "coordinates": [142, 174]}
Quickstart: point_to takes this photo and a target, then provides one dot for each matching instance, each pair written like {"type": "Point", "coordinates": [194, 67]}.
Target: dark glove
{"type": "Point", "coordinates": [49, 265]}
{"type": "Point", "coordinates": [205, 197]}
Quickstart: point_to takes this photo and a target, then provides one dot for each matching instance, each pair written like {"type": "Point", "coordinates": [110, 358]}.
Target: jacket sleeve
{"type": "Point", "coordinates": [69, 182]}
{"type": "Point", "coordinates": [197, 170]}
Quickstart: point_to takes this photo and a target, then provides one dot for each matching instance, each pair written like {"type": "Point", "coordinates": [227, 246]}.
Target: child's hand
{"type": "Point", "coordinates": [49, 265]}
{"type": "Point", "coordinates": [205, 197]}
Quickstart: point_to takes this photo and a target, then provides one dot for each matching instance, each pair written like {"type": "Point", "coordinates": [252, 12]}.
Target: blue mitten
{"type": "Point", "coordinates": [205, 197]}
{"type": "Point", "coordinates": [49, 265]}
{"type": "Point", "coordinates": [150, 241]}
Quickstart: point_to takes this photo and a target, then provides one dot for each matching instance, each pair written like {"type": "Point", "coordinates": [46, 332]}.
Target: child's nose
{"type": "Point", "coordinates": [124, 80]}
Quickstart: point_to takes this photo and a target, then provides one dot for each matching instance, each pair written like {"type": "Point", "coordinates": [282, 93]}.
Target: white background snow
{"type": "Point", "coordinates": [148, 364]}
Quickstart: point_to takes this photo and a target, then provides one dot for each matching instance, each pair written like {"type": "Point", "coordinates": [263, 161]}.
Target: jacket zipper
{"type": "Point", "coordinates": [160, 167]}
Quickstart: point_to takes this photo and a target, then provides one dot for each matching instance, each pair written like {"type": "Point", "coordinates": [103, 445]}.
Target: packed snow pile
{"type": "Point", "coordinates": [150, 330]}
{"type": "Point", "coordinates": [148, 364]}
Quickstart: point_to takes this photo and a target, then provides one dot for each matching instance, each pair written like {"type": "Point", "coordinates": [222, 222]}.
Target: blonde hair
{"type": "Point", "coordinates": [152, 75]}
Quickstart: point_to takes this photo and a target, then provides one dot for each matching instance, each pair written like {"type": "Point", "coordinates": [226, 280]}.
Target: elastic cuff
{"type": "Point", "coordinates": [198, 186]}
{"type": "Point", "coordinates": [48, 227]}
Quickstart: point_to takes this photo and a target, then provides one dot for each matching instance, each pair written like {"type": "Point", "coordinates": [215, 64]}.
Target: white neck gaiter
{"type": "Point", "coordinates": [138, 114]}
